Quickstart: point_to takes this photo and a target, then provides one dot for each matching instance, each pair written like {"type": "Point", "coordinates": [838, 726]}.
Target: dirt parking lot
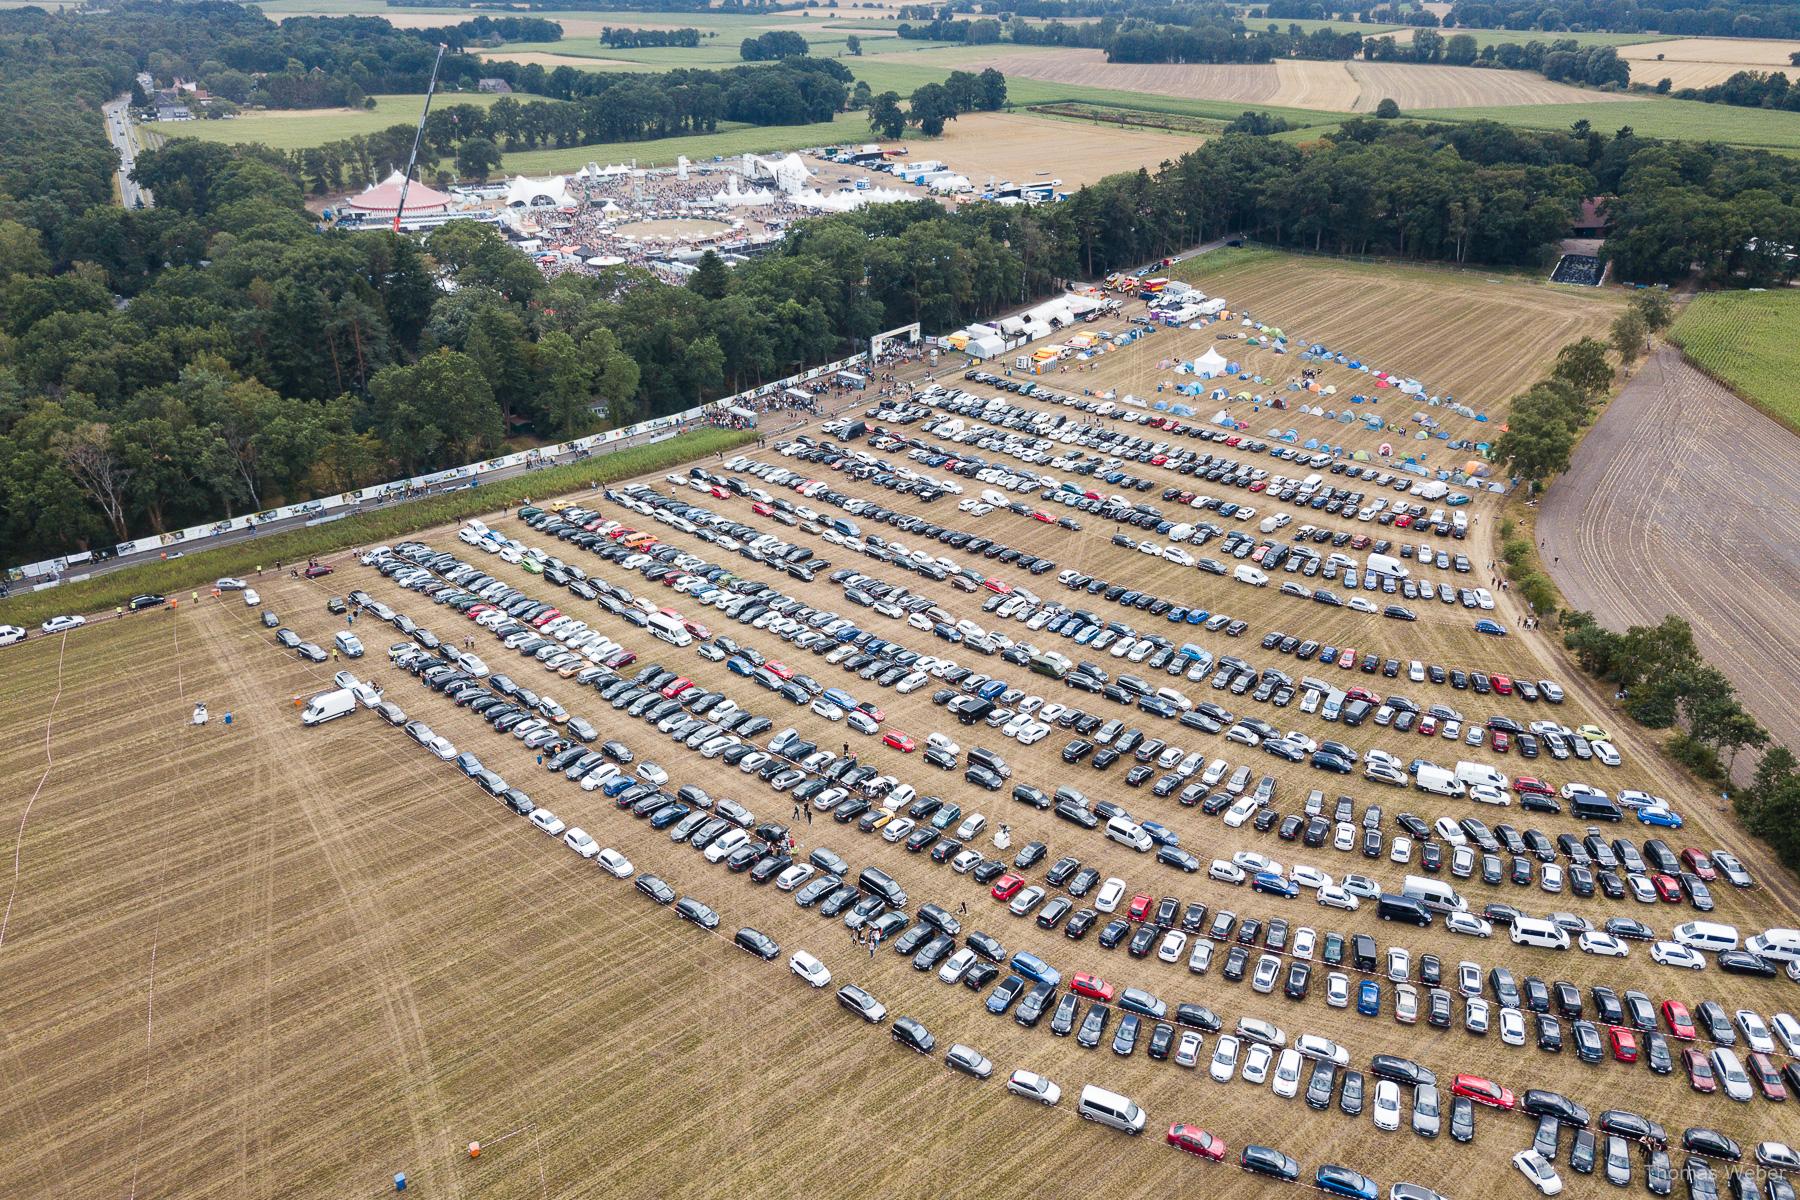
{"type": "Point", "coordinates": [267, 960]}
{"type": "Point", "coordinates": [1633, 532]}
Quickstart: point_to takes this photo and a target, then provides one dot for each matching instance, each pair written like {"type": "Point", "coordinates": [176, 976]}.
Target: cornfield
{"type": "Point", "coordinates": [1746, 340]}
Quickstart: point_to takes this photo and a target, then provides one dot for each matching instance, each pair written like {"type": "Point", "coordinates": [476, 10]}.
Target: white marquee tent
{"type": "Point", "coordinates": [538, 193]}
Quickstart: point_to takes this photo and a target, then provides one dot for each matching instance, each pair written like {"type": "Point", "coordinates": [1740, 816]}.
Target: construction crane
{"type": "Point", "coordinates": [418, 136]}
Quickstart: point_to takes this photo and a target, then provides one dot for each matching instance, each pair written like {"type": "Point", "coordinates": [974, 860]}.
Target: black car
{"type": "Point", "coordinates": [1093, 1026]}
{"type": "Point", "coordinates": [146, 600]}
{"type": "Point", "coordinates": [656, 889]}
{"type": "Point", "coordinates": [1265, 1160]}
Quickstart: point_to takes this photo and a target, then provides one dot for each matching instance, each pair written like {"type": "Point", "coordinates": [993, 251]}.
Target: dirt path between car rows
{"type": "Point", "coordinates": [1685, 499]}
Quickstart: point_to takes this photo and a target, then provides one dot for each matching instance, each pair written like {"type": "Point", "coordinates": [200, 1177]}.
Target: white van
{"type": "Point", "coordinates": [349, 643]}
{"type": "Point", "coordinates": [1110, 1109]}
{"type": "Point", "coordinates": [1250, 575]}
{"type": "Point", "coordinates": [1531, 931]}
{"type": "Point", "coordinates": [1433, 894]}
{"type": "Point", "coordinates": [1126, 832]}
{"type": "Point", "coordinates": [1782, 945]}
{"type": "Point", "coordinates": [1387, 564]}
{"type": "Point", "coordinates": [668, 629]}
{"type": "Point", "coordinates": [328, 706]}
{"type": "Point", "coordinates": [1438, 782]}
{"type": "Point", "coordinates": [1474, 774]}
{"type": "Point", "coordinates": [1707, 935]}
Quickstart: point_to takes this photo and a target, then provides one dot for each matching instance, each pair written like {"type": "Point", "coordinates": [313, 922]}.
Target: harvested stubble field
{"type": "Point", "coordinates": [1480, 337]}
{"type": "Point", "coordinates": [1338, 86]}
{"type": "Point", "coordinates": [265, 960]}
{"type": "Point", "coordinates": [1701, 62]}
{"type": "Point", "coordinates": [1024, 148]}
{"type": "Point", "coordinates": [1631, 532]}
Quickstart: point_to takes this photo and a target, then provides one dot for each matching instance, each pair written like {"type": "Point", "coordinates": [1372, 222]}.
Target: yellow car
{"type": "Point", "coordinates": [1594, 733]}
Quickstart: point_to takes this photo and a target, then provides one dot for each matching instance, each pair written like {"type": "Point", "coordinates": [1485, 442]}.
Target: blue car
{"type": "Point", "coordinates": [1036, 969]}
{"type": "Point", "coordinates": [1160, 834]}
{"type": "Point", "coordinates": [1176, 615]}
{"type": "Point", "coordinates": [1662, 818]}
{"type": "Point", "coordinates": [1491, 628]}
{"type": "Point", "coordinates": [1197, 616]}
{"type": "Point", "coordinates": [1368, 998]}
{"type": "Point", "coordinates": [1274, 885]}
{"type": "Point", "coordinates": [1334, 1180]}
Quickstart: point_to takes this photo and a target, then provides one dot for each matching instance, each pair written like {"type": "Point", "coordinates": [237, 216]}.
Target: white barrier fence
{"type": "Point", "coordinates": [53, 571]}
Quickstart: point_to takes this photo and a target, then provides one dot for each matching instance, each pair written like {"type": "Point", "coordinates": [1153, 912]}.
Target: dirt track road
{"type": "Point", "coordinates": [1710, 535]}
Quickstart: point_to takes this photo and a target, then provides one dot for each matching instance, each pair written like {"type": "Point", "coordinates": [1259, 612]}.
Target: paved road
{"type": "Point", "coordinates": [117, 114]}
{"type": "Point", "coordinates": [1684, 499]}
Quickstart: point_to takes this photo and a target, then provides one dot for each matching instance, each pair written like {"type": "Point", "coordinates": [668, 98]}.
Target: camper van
{"type": "Point", "coordinates": [1433, 894]}
{"type": "Point", "coordinates": [1438, 782]}
{"type": "Point", "coordinates": [1110, 1109]}
{"type": "Point", "coordinates": [328, 706]}
{"type": "Point", "coordinates": [668, 629]}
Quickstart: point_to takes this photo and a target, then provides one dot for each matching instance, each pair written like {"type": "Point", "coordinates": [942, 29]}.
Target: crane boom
{"type": "Point", "coordinates": [418, 136]}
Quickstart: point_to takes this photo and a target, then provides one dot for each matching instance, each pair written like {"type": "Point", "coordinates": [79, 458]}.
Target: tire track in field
{"type": "Point", "coordinates": [424, 1107]}
{"type": "Point", "coordinates": [1683, 499]}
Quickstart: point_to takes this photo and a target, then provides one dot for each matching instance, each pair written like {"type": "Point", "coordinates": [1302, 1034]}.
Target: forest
{"type": "Point", "coordinates": [219, 354]}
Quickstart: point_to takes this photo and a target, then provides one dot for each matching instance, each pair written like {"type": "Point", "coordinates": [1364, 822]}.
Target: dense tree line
{"type": "Point", "coordinates": [1715, 18]}
{"type": "Point", "coordinates": [1202, 37]}
{"type": "Point", "coordinates": [936, 103]}
{"type": "Point", "coordinates": [1748, 89]}
{"type": "Point", "coordinates": [623, 38]}
{"type": "Point", "coordinates": [773, 46]}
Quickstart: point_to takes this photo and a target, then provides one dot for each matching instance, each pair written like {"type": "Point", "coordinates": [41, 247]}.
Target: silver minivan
{"type": "Point", "coordinates": [1110, 1109]}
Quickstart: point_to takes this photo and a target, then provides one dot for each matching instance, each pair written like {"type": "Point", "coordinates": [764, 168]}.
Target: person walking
{"type": "Point", "coordinates": [963, 908]}
{"type": "Point", "coordinates": [809, 816]}
{"type": "Point", "coordinates": [334, 654]}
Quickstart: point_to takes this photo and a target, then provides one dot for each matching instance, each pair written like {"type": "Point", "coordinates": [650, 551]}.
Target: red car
{"type": "Point", "coordinates": [1667, 887]}
{"type": "Point", "coordinates": [1140, 907]}
{"type": "Point", "coordinates": [1624, 1044]}
{"type": "Point", "coordinates": [1680, 1022]}
{"type": "Point", "coordinates": [899, 741]}
{"type": "Point", "coordinates": [1502, 741]}
{"type": "Point", "coordinates": [1347, 659]}
{"type": "Point", "coordinates": [1362, 693]}
{"type": "Point", "coordinates": [1086, 983]}
{"type": "Point", "coordinates": [1403, 521]}
{"type": "Point", "coordinates": [780, 670]}
{"type": "Point", "coordinates": [1700, 1072]}
{"type": "Point", "coordinates": [1763, 1071]}
{"type": "Point", "coordinates": [1007, 886]}
{"type": "Point", "coordinates": [1045, 517]}
{"type": "Point", "coordinates": [1195, 1140]}
{"type": "Point", "coordinates": [874, 710]}
{"type": "Point", "coordinates": [315, 570]}
{"type": "Point", "coordinates": [677, 686]}
{"type": "Point", "coordinates": [544, 618]}
{"type": "Point", "coordinates": [998, 586]}
{"type": "Point", "coordinates": [1483, 1091]}
{"type": "Point", "coordinates": [761, 509]}
{"type": "Point", "coordinates": [1526, 785]}
{"type": "Point", "coordinates": [1427, 726]}
{"type": "Point", "coordinates": [1699, 864]}
{"type": "Point", "coordinates": [477, 610]}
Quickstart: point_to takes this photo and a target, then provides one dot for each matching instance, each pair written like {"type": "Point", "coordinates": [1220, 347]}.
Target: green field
{"type": "Point", "coordinates": [743, 139]}
{"type": "Point", "coordinates": [1683, 119]}
{"type": "Point", "coordinates": [297, 130]}
{"type": "Point", "coordinates": [1747, 340]}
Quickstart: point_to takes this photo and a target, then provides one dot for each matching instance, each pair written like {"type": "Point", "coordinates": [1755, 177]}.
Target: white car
{"type": "Point", "coordinates": [614, 863]}
{"type": "Point", "coordinates": [1468, 924]}
{"type": "Point", "coordinates": [1310, 878]}
{"type": "Point", "coordinates": [794, 876]}
{"type": "Point", "coordinates": [1539, 1173]}
{"type": "Point", "coordinates": [1481, 793]}
{"type": "Point", "coordinates": [1730, 1074]}
{"type": "Point", "coordinates": [62, 624]}
{"type": "Point", "coordinates": [547, 821]}
{"type": "Point", "coordinates": [1674, 954]}
{"type": "Point", "coordinates": [441, 747]}
{"type": "Point", "coordinates": [728, 841]}
{"type": "Point", "coordinates": [1337, 897]}
{"type": "Point", "coordinates": [1111, 892]}
{"type": "Point", "coordinates": [1387, 1105]}
{"type": "Point", "coordinates": [1173, 943]}
{"type": "Point", "coordinates": [809, 968]}
{"type": "Point", "coordinates": [1607, 753]}
{"type": "Point", "coordinates": [1033, 1086]}
{"type": "Point", "coordinates": [1287, 1074]}
{"type": "Point", "coordinates": [1512, 1027]}
{"type": "Point", "coordinates": [1756, 1034]}
{"type": "Point", "coordinates": [956, 966]}
{"type": "Point", "coordinates": [1225, 872]}
{"type": "Point", "coordinates": [652, 774]}
{"type": "Point", "coordinates": [251, 598]}
{"type": "Point", "coordinates": [1337, 990]}
{"type": "Point", "coordinates": [1187, 1050]}
{"type": "Point", "coordinates": [1306, 940]}
{"type": "Point", "coordinates": [1257, 1061]}
{"type": "Point", "coordinates": [965, 861]}
{"type": "Point", "coordinates": [1224, 1059]}
{"type": "Point", "coordinates": [1603, 944]}
{"type": "Point", "coordinates": [578, 840]}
